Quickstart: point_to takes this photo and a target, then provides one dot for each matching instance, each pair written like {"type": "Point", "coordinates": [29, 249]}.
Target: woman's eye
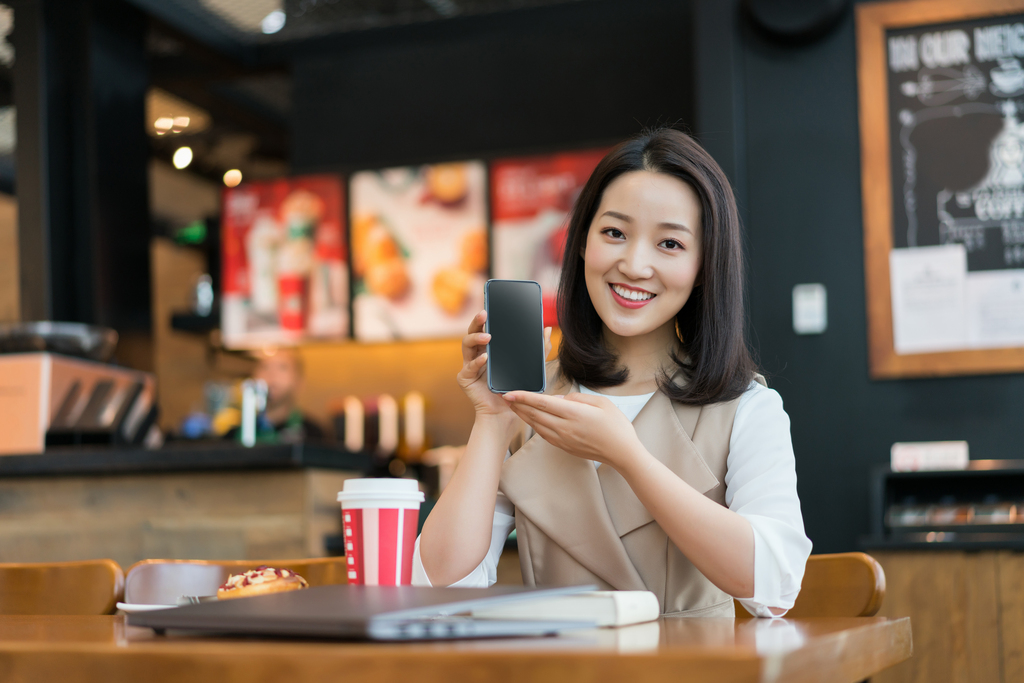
{"type": "Point", "coordinates": [614, 233]}
{"type": "Point", "coordinates": [671, 244]}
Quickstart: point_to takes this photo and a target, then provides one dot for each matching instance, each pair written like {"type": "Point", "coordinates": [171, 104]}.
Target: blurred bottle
{"type": "Point", "coordinates": [414, 440]}
{"type": "Point", "coordinates": [352, 432]}
{"type": "Point", "coordinates": [387, 425]}
{"type": "Point", "coordinates": [254, 402]}
{"type": "Point", "coordinates": [203, 296]}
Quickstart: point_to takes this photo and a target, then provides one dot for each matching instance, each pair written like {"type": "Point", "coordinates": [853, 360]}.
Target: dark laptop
{"type": "Point", "coordinates": [363, 612]}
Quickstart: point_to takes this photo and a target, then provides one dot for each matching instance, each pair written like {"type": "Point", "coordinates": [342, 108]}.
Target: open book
{"type": "Point", "coordinates": [605, 608]}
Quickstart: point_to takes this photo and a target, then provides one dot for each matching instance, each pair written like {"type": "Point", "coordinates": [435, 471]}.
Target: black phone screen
{"type": "Point", "coordinates": [515, 321]}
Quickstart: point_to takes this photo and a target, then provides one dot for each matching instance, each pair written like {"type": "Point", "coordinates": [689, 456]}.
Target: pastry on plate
{"type": "Point", "coordinates": [260, 581]}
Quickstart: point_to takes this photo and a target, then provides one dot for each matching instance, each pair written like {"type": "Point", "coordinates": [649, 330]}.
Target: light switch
{"type": "Point", "coordinates": [810, 308]}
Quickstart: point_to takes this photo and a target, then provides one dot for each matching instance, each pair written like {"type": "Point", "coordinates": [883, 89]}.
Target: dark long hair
{"type": "Point", "coordinates": [715, 363]}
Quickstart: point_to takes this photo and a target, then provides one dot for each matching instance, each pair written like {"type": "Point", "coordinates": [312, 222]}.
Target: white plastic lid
{"type": "Point", "coordinates": [378, 489]}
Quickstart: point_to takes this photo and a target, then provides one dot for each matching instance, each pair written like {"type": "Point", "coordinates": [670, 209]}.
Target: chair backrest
{"type": "Point", "coordinates": [838, 585]}
{"type": "Point", "coordinates": [86, 587]}
{"type": "Point", "coordinates": [162, 582]}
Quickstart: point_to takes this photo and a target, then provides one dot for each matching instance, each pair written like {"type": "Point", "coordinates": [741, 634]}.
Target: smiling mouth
{"type": "Point", "coordinates": [631, 296]}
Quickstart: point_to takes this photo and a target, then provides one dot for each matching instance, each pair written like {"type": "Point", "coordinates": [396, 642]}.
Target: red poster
{"type": "Point", "coordinates": [530, 201]}
{"type": "Point", "coordinates": [285, 276]}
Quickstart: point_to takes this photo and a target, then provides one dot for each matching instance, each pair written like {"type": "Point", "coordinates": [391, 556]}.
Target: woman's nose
{"type": "Point", "coordinates": [636, 263]}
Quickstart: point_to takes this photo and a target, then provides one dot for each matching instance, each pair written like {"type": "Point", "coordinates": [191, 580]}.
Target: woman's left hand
{"type": "Point", "coordinates": [586, 426]}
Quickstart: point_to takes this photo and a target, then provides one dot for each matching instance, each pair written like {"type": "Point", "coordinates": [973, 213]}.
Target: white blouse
{"type": "Point", "coordinates": [760, 485]}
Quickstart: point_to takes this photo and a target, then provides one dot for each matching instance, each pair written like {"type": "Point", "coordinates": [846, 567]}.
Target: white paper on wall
{"type": "Point", "coordinates": [995, 306]}
{"type": "Point", "coordinates": [929, 298]}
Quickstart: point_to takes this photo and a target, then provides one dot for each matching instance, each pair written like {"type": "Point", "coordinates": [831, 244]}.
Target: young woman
{"type": "Point", "coordinates": [657, 459]}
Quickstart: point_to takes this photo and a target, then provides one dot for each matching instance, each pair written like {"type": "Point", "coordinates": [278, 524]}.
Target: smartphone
{"type": "Point", "coordinates": [515, 321]}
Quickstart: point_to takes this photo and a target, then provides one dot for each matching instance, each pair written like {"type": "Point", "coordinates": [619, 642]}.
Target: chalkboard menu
{"type": "Point", "coordinates": [957, 141]}
{"type": "Point", "coordinates": [942, 105]}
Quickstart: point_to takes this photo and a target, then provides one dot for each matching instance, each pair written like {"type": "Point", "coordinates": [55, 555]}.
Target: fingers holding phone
{"type": "Point", "coordinates": [474, 366]}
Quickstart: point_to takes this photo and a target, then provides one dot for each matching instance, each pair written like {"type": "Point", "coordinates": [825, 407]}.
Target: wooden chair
{"type": "Point", "coordinates": [837, 585]}
{"type": "Point", "coordinates": [87, 587]}
{"type": "Point", "coordinates": [161, 582]}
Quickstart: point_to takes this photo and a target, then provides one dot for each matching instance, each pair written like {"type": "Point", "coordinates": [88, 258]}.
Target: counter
{"type": "Point", "coordinates": [185, 501]}
{"type": "Point", "coordinates": [183, 456]}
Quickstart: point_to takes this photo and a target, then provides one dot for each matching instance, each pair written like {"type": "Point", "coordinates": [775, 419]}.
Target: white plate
{"type": "Point", "coordinates": [132, 608]}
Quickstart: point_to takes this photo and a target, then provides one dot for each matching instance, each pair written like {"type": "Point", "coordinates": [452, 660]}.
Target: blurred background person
{"type": "Point", "coordinates": [282, 420]}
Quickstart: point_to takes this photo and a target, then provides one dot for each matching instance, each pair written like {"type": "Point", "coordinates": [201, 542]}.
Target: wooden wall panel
{"type": "Point", "coordinates": [203, 515]}
{"type": "Point", "coordinates": [1011, 614]}
{"type": "Point", "coordinates": [952, 599]}
{"type": "Point", "coordinates": [10, 304]}
{"type": "Point", "coordinates": [183, 362]}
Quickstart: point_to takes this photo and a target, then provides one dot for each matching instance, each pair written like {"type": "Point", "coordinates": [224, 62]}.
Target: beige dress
{"type": "Point", "coordinates": [579, 525]}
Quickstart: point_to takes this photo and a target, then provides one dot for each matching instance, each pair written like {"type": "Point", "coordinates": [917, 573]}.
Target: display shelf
{"type": "Point", "coordinates": [981, 507]}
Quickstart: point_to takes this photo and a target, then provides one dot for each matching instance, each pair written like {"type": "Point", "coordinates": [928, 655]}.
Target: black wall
{"type": "Point", "coordinates": [802, 162]}
{"type": "Point", "coordinates": [80, 81]}
{"type": "Point", "coordinates": [549, 78]}
{"type": "Point", "coordinates": [781, 120]}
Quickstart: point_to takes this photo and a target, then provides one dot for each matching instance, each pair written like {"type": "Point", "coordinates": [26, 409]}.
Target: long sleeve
{"type": "Point", "coordinates": [486, 573]}
{"type": "Point", "coordinates": [761, 487]}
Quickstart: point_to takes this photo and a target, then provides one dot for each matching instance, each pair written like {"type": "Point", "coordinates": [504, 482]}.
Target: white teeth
{"type": "Point", "coordinates": [631, 294]}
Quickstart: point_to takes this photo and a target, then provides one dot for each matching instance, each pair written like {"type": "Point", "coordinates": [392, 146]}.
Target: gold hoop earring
{"type": "Point", "coordinates": [679, 335]}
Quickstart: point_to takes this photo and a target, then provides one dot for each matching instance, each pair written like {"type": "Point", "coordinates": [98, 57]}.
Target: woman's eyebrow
{"type": "Point", "coordinates": [628, 219]}
{"type": "Point", "coordinates": [676, 226]}
{"type": "Point", "coordinates": [615, 214]}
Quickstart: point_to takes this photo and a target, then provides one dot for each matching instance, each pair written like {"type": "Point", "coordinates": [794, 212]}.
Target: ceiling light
{"type": "Point", "coordinates": [181, 122]}
{"type": "Point", "coordinates": [164, 123]}
{"type": "Point", "coordinates": [233, 177]}
{"type": "Point", "coordinates": [182, 157]}
{"type": "Point", "coordinates": [273, 22]}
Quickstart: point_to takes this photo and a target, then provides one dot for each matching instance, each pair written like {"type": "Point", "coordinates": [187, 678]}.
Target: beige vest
{"type": "Point", "coordinates": [579, 525]}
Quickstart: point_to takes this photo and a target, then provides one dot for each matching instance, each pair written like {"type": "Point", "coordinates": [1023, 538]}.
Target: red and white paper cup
{"type": "Point", "coordinates": [380, 518]}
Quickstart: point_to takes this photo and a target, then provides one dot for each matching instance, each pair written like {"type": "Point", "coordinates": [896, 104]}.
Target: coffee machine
{"type": "Point", "coordinates": [55, 399]}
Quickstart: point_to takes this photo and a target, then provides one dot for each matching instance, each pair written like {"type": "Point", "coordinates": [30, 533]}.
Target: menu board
{"type": "Point", "coordinates": [531, 199]}
{"type": "Point", "coordinates": [285, 273]}
{"type": "Point", "coordinates": [419, 250]}
{"type": "Point", "coordinates": [958, 184]}
{"type": "Point", "coordinates": [942, 99]}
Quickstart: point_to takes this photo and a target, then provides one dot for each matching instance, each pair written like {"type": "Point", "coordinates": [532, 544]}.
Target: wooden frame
{"type": "Point", "coordinates": [872, 22]}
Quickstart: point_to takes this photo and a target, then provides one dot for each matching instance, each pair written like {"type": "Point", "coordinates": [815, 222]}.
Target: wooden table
{"type": "Point", "coordinates": [70, 649]}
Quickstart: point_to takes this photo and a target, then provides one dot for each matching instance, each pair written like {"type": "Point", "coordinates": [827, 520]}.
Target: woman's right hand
{"type": "Point", "coordinates": [473, 376]}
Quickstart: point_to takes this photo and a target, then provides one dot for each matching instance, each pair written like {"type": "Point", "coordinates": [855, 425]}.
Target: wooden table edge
{"type": "Point", "coordinates": [878, 644]}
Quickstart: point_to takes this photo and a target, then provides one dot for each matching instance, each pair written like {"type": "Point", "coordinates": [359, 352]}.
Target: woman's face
{"type": "Point", "coordinates": [643, 252]}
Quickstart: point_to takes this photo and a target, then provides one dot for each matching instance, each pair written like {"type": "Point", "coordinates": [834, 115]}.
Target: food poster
{"type": "Point", "coordinates": [419, 250]}
{"type": "Point", "coordinates": [530, 201]}
{"type": "Point", "coordinates": [285, 269]}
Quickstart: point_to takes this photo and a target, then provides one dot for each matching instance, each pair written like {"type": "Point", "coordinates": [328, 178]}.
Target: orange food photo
{"type": "Point", "coordinates": [388, 278]}
{"type": "Point", "coordinates": [447, 183]}
{"type": "Point", "coordinates": [451, 287]}
{"type": "Point", "coordinates": [474, 251]}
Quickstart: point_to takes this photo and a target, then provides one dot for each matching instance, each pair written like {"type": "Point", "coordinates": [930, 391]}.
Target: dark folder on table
{"type": "Point", "coordinates": [363, 612]}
